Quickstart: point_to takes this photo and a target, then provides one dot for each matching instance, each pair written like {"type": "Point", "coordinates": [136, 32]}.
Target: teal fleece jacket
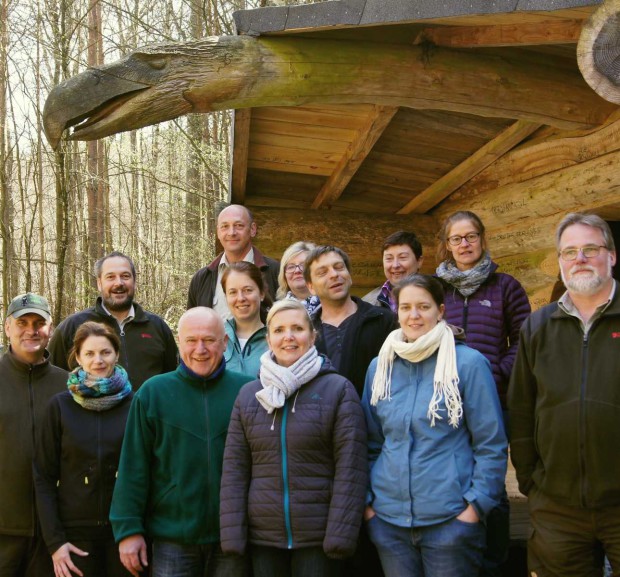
{"type": "Point", "coordinates": [168, 485]}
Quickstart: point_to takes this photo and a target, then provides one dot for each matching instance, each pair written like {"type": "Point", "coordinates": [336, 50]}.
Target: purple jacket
{"type": "Point", "coordinates": [491, 318]}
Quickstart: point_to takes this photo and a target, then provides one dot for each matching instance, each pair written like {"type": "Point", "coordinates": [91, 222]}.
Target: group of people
{"type": "Point", "coordinates": [297, 429]}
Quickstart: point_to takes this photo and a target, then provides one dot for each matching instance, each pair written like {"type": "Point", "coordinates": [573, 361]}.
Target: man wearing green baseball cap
{"type": "Point", "coordinates": [28, 382]}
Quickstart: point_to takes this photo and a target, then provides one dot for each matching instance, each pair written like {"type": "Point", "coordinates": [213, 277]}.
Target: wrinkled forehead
{"type": "Point", "coordinates": [233, 214]}
{"type": "Point", "coordinates": [580, 234]}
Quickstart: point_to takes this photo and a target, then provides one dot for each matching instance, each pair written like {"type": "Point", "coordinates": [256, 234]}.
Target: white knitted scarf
{"type": "Point", "coordinates": [445, 379]}
{"type": "Point", "coordinates": [279, 383]}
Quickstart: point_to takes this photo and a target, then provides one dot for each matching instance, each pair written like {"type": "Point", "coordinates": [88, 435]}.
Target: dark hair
{"type": "Point", "coordinates": [253, 272]}
{"type": "Point", "coordinates": [92, 329]}
{"type": "Point", "coordinates": [113, 254]}
{"type": "Point", "coordinates": [318, 252]}
{"type": "Point", "coordinates": [442, 250]}
{"type": "Point", "coordinates": [403, 237]}
{"type": "Point", "coordinates": [427, 282]}
{"type": "Point", "coordinates": [591, 220]}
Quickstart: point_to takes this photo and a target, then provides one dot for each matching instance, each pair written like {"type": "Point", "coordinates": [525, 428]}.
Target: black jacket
{"type": "Point", "coordinates": [148, 347]}
{"type": "Point", "coordinates": [564, 401]}
{"type": "Point", "coordinates": [76, 460]}
{"type": "Point", "coordinates": [25, 391]}
{"type": "Point", "coordinates": [363, 339]}
{"type": "Point", "coordinates": [203, 283]}
{"type": "Point", "coordinates": [311, 454]}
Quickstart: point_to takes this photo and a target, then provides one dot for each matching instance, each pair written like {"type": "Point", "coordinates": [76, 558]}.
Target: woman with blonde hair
{"type": "Point", "coordinates": [291, 283]}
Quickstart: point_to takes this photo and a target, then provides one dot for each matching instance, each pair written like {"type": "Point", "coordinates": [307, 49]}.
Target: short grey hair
{"type": "Point", "coordinates": [592, 220]}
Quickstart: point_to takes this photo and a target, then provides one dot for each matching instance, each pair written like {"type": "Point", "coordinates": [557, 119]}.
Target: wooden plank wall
{"type": "Point", "coordinates": [360, 235]}
{"type": "Point", "coordinates": [522, 197]}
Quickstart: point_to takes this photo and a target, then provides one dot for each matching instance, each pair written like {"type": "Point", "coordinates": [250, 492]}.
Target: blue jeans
{"type": "Point", "coordinates": [306, 562]}
{"type": "Point", "coordinates": [176, 560]}
{"type": "Point", "coordinates": [453, 548]}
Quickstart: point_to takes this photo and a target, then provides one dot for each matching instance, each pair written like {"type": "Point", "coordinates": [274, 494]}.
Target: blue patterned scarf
{"type": "Point", "coordinates": [96, 393]}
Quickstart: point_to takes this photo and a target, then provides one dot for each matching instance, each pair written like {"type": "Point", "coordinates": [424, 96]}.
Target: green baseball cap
{"type": "Point", "coordinates": [29, 303]}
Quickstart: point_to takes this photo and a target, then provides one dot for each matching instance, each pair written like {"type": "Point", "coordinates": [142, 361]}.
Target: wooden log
{"type": "Point", "coordinates": [164, 82]}
{"type": "Point", "coordinates": [359, 235]}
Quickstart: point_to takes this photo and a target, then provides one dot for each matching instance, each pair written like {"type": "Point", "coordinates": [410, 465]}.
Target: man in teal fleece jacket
{"type": "Point", "coordinates": [168, 487]}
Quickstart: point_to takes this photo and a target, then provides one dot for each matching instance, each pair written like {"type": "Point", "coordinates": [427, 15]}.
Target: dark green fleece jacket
{"type": "Point", "coordinates": [168, 485]}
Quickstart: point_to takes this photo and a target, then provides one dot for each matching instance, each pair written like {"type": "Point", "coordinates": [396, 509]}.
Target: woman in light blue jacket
{"type": "Point", "coordinates": [437, 446]}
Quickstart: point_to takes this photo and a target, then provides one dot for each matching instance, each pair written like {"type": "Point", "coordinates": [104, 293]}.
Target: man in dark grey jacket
{"type": "Point", "coordinates": [564, 403]}
{"type": "Point", "coordinates": [28, 382]}
{"type": "Point", "coordinates": [148, 347]}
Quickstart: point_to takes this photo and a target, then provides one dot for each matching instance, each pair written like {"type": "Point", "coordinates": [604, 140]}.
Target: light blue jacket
{"type": "Point", "coordinates": [422, 475]}
{"type": "Point", "coordinates": [246, 361]}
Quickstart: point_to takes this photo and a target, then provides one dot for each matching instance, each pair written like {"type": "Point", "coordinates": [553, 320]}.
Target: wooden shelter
{"type": "Point", "coordinates": [356, 118]}
{"type": "Point", "coordinates": [350, 174]}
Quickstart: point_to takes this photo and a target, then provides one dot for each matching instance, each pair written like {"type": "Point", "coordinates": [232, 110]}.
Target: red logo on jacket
{"type": "Point", "coordinates": [146, 336]}
{"type": "Point", "coordinates": [615, 335]}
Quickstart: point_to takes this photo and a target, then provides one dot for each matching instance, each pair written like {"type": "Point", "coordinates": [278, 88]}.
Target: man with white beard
{"type": "Point", "coordinates": [564, 401]}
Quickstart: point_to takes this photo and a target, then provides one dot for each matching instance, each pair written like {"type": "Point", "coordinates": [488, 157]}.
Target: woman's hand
{"type": "Point", "coordinates": [369, 513]}
{"type": "Point", "coordinates": [63, 565]}
{"type": "Point", "coordinates": [469, 515]}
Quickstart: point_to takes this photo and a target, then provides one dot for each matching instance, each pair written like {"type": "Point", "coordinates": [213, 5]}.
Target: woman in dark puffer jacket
{"type": "Point", "coordinates": [490, 306]}
{"type": "Point", "coordinates": [295, 465]}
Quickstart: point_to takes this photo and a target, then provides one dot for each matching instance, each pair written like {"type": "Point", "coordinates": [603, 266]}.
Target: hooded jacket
{"type": "Point", "coordinates": [148, 347]}
{"type": "Point", "coordinates": [25, 391]}
{"type": "Point", "coordinates": [297, 477]}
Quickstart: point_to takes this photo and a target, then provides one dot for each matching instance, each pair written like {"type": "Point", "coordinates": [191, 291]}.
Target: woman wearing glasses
{"type": "Point", "coordinates": [291, 278]}
{"type": "Point", "coordinates": [490, 306]}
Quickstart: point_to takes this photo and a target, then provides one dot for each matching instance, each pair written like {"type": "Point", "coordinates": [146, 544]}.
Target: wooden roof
{"type": "Point", "coordinates": [386, 159]}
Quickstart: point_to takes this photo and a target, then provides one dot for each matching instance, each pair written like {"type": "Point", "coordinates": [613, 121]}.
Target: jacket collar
{"type": "Point", "coordinates": [11, 359]}
{"type": "Point", "coordinates": [259, 260]}
{"type": "Point", "coordinates": [140, 315]}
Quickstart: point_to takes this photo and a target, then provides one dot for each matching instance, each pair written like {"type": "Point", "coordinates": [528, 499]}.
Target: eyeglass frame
{"type": "Point", "coordinates": [291, 268]}
{"type": "Point", "coordinates": [475, 237]}
{"type": "Point", "coordinates": [590, 247]}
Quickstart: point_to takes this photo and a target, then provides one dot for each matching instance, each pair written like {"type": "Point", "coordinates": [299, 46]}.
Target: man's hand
{"type": "Point", "coordinates": [63, 565]}
{"type": "Point", "coordinates": [132, 551]}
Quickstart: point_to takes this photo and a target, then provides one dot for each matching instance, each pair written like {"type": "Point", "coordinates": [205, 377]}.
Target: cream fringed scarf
{"type": "Point", "coordinates": [445, 380]}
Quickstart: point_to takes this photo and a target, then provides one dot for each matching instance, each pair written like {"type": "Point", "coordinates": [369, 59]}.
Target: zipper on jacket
{"type": "Point", "coordinates": [465, 313]}
{"type": "Point", "coordinates": [582, 420]}
{"type": "Point", "coordinates": [287, 504]}
{"type": "Point", "coordinates": [121, 332]}
{"type": "Point", "coordinates": [207, 428]}
{"type": "Point", "coordinates": [33, 521]}
{"type": "Point", "coordinates": [100, 468]}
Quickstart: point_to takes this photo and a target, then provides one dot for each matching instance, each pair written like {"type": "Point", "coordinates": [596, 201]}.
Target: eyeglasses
{"type": "Point", "coordinates": [590, 251]}
{"type": "Point", "coordinates": [291, 268]}
{"type": "Point", "coordinates": [471, 238]}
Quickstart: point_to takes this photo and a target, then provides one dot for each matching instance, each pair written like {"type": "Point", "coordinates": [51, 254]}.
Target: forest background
{"type": "Point", "coordinates": [151, 193]}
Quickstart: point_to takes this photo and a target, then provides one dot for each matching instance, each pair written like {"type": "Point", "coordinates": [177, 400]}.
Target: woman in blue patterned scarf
{"type": "Point", "coordinates": [76, 457]}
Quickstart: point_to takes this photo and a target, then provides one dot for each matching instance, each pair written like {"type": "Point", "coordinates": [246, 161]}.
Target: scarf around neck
{"type": "Point", "coordinates": [280, 383]}
{"type": "Point", "coordinates": [98, 393]}
{"type": "Point", "coordinates": [445, 378]}
{"type": "Point", "coordinates": [466, 282]}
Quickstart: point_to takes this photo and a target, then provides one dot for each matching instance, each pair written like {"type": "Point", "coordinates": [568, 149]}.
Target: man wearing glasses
{"type": "Point", "coordinates": [564, 401]}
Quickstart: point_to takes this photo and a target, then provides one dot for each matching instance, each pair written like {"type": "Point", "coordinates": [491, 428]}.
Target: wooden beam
{"type": "Point", "coordinates": [160, 83]}
{"type": "Point", "coordinates": [477, 162]}
{"type": "Point", "coordinates": [539, 33]}
{"type": "Point", "coordinates": [378, 120]}
{"type": "Point", "coordinates": [239, 163]}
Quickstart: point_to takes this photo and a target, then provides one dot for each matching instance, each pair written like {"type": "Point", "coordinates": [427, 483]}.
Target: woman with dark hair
{"type": "Point", "coordinates": [295, 467]}
{"type": "Point", "coordinates": [490, 307]}
{"type": "Point", "coordinates": [437, 446]}
{"type": "Point", "coordinates": [248, 303]}
{"type": "Point", "coordinates": [77, 454]}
